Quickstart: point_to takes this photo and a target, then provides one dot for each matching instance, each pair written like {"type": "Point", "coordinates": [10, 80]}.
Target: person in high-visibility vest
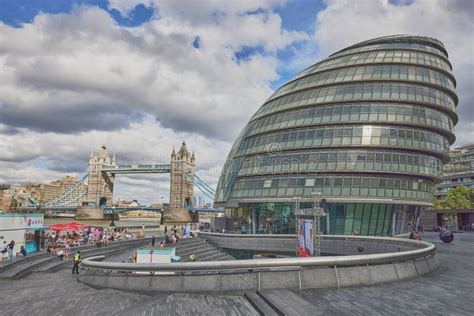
{"type": "Point", "coordinates": [77, 260]}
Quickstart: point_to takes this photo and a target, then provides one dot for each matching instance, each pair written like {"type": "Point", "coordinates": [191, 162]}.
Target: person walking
{"type": "Point", "coordinates": [3, 250]}
{"type": "Point", "coordinates": [77, 260]}
{"type": "Point", "coordinates": [10, 247]}
{"type": "Point", "coordinates": [153, 239]}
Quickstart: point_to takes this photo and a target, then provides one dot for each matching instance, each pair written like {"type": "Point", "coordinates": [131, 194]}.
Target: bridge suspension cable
{"type": "Point", "coordinates": [201, 185]}
{"type": "Point", "coordinates": [68, 198]}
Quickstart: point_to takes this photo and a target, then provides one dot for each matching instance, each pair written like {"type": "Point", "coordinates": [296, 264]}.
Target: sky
{"type": "Point", "coordinates": [141, 76]}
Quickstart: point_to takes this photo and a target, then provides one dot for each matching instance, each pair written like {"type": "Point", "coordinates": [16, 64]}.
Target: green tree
{"type": "Point", "coordinates": [458, 198]}
{"type": "Point", "coordinates": [437, 204]}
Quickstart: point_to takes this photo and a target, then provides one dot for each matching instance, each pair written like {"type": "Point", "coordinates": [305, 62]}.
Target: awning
{"type": "Point", "coordinates": [68, 226]}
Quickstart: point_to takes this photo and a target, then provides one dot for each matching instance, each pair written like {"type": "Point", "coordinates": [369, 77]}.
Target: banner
{"type": "Point", "coordinates": [305, 238]}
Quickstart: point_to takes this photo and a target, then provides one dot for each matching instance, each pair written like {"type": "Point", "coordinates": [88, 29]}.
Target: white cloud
{"type": "Point", "coordinates": [105, 75]}
{"type": "Point", "coordinates": [344, 23]}
{"type": "Point", "coordinates": [78, 80]}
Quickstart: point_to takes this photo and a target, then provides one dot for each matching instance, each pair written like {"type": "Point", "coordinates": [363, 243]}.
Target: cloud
{"type": "Point", "coordinates": [343, 23]}
{"type": "Point", "coordinates": [81, 71]}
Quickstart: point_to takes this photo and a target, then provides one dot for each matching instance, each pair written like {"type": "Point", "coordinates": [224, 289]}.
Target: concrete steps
{"type": "Point", "coordinates": [197, 251]}
{"type": "Point", "coordinates": [219, 257]}
{"type": "Point", "coordinates": [43, 262]}
{"type": "Point", "coordinates": [59, 264]}
{"type": "Point", "coordinates": [8, 264]}
{"type": "Point", "coordinates": [203, 250]}
{"type": "Point", "coordinates": [209, 255]}
{"type": "Point", "coordinates": [21, 269]}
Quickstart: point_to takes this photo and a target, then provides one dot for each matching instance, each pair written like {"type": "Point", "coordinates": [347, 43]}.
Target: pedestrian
{"type": "Point", "coordinates": [77, 260]}
{"type": "Point", "coordinates": [3, 249]}
{"type": "Point", "coordinates": [153, 238]}
{"type": "Point", "coordinates": [22, 251]}
{"type": "Point", "coordinates": [417, 236]}
{"type": "Point", "coordinates": [61, 254]}
{"type": "Point", "coordinates": [166, 229]}
{"type": "Point", "coordinates": [67, 250]}
{"type": "Point", "coordinates": [42, 241]}
{"type": "Point", "coordinates": [10, 247]}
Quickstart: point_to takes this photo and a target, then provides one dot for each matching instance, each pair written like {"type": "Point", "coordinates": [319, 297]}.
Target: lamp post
{"type": "Point", "coordinates": [318, 211]}
{"type": "Point", "coordinates": [112, 224]}
{"type": "Point", "coordinates": [297, 227]}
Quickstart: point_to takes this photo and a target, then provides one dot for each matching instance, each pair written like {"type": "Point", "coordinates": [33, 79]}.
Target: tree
{"type": "Point", "coordinates": [437, 204]}
{"type": "Point", "coordinates": [458, 198]}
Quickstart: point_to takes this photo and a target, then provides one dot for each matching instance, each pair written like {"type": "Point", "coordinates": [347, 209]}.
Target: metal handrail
{"type": "Point", "coordinates": [424, 249]}
{"type": "Point", "coordinates": [389, 240]}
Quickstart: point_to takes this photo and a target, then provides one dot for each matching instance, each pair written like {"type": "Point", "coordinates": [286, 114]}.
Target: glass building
{"type": "Point", "coordinates": [368, 129]}
{"type": "Point", "coordinates": [460, 171]}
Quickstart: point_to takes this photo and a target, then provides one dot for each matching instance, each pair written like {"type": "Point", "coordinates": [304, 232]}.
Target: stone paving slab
{"type": "Point", "coordinates": [290, 303]}
{"type": "Point", "coordinates": [192, 304]}
{"type": "Point", "coordinates": [446, 291]}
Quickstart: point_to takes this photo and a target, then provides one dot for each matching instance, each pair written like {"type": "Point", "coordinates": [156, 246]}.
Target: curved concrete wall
{"type": "Point", "coordinates": [253, 275]}
{"type": "Point", "coordinates": [330, 244]}
{"type": "Point", "coordinates": [285, 278]}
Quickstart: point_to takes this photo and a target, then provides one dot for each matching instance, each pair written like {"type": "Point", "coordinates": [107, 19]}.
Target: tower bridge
{"type": "Point", "coordinates": [103, 169]}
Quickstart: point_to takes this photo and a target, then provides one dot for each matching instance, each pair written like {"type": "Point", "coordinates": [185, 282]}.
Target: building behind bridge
{"type": "Point", "coordinates": [44, 193]}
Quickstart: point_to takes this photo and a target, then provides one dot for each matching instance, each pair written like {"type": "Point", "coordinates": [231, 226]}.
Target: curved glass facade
{"type": "Point", "coordinates": [368, 129]}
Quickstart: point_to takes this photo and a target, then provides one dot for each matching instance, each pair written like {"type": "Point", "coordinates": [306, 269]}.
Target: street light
{"type": "Point", "coordinates": [112, 224]}
{"type": "Point", "coordinates": [318, 211]}
{"type": "Point", "coordinates": [297, 227]}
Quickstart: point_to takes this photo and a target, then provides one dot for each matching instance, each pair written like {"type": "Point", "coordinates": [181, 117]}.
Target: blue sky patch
{"type": "Point", "coordinates": [17, 12]}
{"type": "Point", "coordinates": [197, 42]}
{"type": "Point", "coordinates": [299, 15]}
{"type": "Point", "coordinates": [246, 52]}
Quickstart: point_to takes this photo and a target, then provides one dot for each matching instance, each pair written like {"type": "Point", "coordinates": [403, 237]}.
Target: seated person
{"type": "Point", "coordinates": [162, 245]}
{"type": "Point", "coordinates": [61, 254]}
{"type": "Point", "coordinates": [22, 251]}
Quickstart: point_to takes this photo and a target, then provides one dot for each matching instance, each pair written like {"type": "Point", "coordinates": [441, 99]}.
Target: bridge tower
{"type": "Point", "coordinates": [100, 186]}
{"type": "Point", "coordinates": [181, 188]}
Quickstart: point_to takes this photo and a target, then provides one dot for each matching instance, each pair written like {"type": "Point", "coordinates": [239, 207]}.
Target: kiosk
{"type": "Point", "coordinates": [24, 229]}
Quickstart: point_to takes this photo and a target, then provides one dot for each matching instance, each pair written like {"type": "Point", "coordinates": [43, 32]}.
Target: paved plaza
{"type": "Point", "coordinates": [447, 291]}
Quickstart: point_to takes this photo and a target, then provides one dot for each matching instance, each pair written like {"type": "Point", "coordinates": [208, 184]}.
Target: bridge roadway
{"type": "Point", "coordinates": [447, 291]}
